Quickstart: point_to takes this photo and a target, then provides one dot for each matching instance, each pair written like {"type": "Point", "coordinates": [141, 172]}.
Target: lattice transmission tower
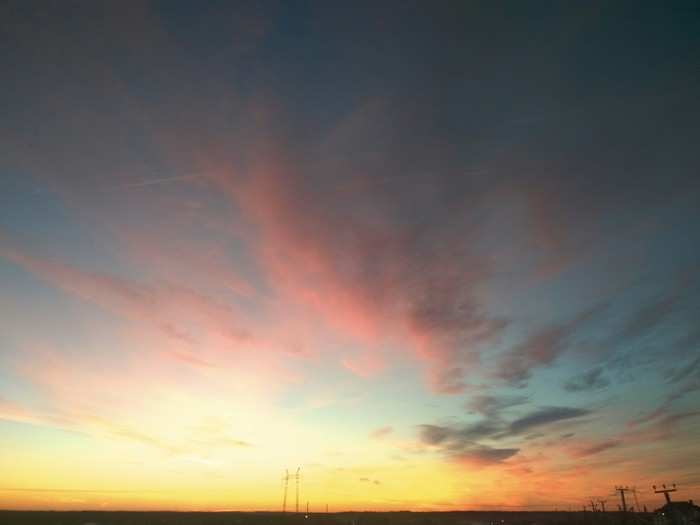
{"type": "Point", "coordinates": [286, 489]}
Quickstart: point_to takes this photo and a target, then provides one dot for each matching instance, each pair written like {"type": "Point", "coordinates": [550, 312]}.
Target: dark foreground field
{"type": "Point", "coordinates": [270, 518]}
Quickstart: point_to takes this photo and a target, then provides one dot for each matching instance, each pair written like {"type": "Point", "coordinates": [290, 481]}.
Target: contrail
{"type": "Point", "coordinates": [162, 180]}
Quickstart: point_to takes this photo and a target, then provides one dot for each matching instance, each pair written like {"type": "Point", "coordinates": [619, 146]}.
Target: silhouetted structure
{"type": "Point", "coordinates": [665, 491]}
{"type": "Point", "coordinates": [678, 513]}
{"type": "Point", "coordinates": [286, 489]}
{"type": "Point", "coordinates": [622, 491]}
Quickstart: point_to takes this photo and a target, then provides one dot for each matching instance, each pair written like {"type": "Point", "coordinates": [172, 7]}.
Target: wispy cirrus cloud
{"type": "Point", "coordinates": [685, 380]}
{"type": "Point", "coordinates": [662, 428]}
{"type": "Point", "coordinates": [591, 380]}
{"type": "Point", "coordinates": [179, 313]}
{"type": "Point", "coordinates": [541, 348]}
{"type": "Point", "coordinates": [591, 450]}
{"type": "Point", "coordinates": [166, 332]}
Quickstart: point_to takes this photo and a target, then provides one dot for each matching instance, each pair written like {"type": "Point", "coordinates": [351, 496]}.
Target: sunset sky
{"type": "Point", "coordinates": [437, 255]}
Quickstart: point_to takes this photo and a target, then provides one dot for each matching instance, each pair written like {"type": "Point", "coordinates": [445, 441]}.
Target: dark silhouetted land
{"type": "Point", "coordinates": [343, 518]}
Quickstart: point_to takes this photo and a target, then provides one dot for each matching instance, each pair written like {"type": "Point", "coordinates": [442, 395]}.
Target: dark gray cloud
{"type": "Point", "coordinates": [433, 434]}
{"type": "Point", "coordinates": [493, 406]}
{"type": "Point", "coordinates": [483, 456]}
{"type": "Point", "coordinates": [591, 380]}
{"type": "Point", "coordinates": [458, 443]}
{"type": "Point", "coordinates": [457, 436]}
{"type": "Point", "coordinates": [546, 416]}
{"type": "Point", "coordinates": [482, 429]}
{"type": "Point", "coordinates": [464, 443]}
{"type": "Point", "coordinates": [447, 436]}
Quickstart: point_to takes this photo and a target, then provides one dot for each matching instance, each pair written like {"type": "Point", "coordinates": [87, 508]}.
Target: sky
{"type": "Point", "coordinates": [435, 255]}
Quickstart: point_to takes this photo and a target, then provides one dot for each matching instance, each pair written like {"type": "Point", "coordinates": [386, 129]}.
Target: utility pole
{"type": "Point", "coordinates": [622, 491]}
{"type": "Point", "coordinates": [602, 503]}
{"type": "Point", "coordinates": [593, 507]}
{"type": "Point", "coordinates": [665, 491]}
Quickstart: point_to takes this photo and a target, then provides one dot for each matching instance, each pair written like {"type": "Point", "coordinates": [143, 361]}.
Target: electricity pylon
{"type": "Point", "coordinates": [286, 486]}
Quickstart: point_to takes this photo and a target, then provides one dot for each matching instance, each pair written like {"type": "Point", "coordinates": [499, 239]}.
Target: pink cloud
{"type": "Point", "coordinates": [176, 311]}
{"type": "Point", "coordinates": [357, 268]}
{"type": "Point", "coordinates": [123, 395]}
{"type": "Point", "coordinates": [281, 232]}
{"type": "Point", "coordinates": [171, 343]}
